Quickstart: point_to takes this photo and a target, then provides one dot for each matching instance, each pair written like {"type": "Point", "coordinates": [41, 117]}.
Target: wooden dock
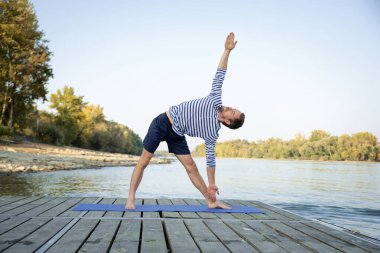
{"type": "Point", "coordinates": [47, 224]}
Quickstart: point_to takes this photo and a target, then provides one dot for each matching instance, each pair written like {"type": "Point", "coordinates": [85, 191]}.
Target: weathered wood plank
{"type": "Point", "coordinates": [239, 216]}
{"type": "Point", "coordinates": [33, 241]}
{"type": "Point", "coordinates": [153, 237]}
{"type": "Point", "coordinates": [18, 203]}
{"type": "Point", "coordinates": [272, 215]}
{"type": "Point", "coordinates": [229, 238]}
{"type": "Point", "coordinates": [61, 208]}
{"type": "Point", "coordinates": [344, 236]}
{"type": "Point", "coordinates": [300, 237]}
{"type": "Point", "coordinates": [329, 240]}
{"type": "Point", "coordinates": [127, 237]}
{"type": "Point", "coordinates": [291, 216]}
{"type": "Point", "coordinates": [100, 213]}
{"type": "Point", "coordinates": [255, 216]}
{"type": "Point", "coordinates": [28, 207]}
{"type": "Point", "coordinates": [10, 199]}
{"type": "Point", "coordinates": [278, 238]}
{"type": "Point", "coordinates": [70, 213]}
{"type": "Point", "coordinates": [257, 240]}
{"type": "Point", "coordinates": [118, 201]}
{"type": "Point", "coordinates": [179, 237]}
{"type": "Point", "coordinates": [134, 214]}
{"type": "Point", "coordinates": [203, 215]}
{"type": "Point", "coordinates": [204, 238]}
{"type": "Point", "coordinates": [187, 215]}
{"type": "Point", "coordinates": [151, 214]}
{"type": "Point", "coordinates": [13, 236]}
{"type": "Point", "coordinates": [43, 208]}
{"type": "Point", "coordinates": [72, 240]}
{"type": "Point", "coordinates": [11, 223]}
{"type": "Point", "coordinates": [168, 214]}
{"type": "Point", "coordinates": [101, 237]}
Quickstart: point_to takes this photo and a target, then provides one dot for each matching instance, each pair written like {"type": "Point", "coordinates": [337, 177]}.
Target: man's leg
{"type": "Point", "coordinates": [193, 173]}
{"type": "Point", "coordinates": [137, 176]}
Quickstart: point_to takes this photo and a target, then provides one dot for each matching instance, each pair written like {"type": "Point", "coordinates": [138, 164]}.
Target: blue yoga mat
{"type": "Point", "coordinates": [165, 208]}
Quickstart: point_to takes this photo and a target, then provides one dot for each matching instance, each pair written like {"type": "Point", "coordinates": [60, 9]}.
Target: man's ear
{"type": "Point", "coordinates": [227, 121]}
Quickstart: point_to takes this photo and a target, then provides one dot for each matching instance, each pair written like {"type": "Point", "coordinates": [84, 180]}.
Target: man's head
{"type": "Point", "coordinates": [231, 118]}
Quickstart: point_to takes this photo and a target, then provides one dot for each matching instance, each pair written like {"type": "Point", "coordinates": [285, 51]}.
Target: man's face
{"type": "Point", "coordinates": [231, 113]}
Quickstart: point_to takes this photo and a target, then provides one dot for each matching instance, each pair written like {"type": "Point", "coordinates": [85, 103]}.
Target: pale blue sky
{"type": "Point", "coordinates": [298, 65]}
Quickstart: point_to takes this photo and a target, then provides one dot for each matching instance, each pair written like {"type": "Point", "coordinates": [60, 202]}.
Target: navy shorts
{"type": "Point", "coordinates": [161, 130]}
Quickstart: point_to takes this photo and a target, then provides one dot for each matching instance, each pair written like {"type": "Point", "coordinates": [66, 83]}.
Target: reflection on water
{"type": "Point", "coordinates": [346, 194]}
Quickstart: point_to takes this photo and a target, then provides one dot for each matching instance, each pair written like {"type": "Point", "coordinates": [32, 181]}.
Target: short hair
{"type": "Point", "coordinates": [235, 124]}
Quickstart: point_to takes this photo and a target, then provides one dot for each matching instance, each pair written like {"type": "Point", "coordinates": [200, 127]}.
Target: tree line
{"type": "Point", "coordinates": [320, 145]}
{"type": "Point", "coordinates": [24, 75]}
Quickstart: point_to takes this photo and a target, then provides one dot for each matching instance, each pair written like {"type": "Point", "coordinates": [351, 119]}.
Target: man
{"type": "Point", "coordinates": [197, 118]}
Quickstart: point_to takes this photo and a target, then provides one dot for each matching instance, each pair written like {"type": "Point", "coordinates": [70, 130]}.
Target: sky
{"type": "Point", "coordinates": [298, 65]}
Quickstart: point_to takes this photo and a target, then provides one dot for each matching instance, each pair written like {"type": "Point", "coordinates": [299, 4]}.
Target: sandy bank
{"type": "Point", "coordinates": [33, 157]}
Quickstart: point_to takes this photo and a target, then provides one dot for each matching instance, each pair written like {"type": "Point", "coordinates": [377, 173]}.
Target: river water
{"type": "Point", "coordinates": [344, 194]}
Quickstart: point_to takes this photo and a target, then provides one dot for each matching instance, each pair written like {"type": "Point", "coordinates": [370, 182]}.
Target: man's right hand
{"type": "Point", "coordinates": [130, 204]}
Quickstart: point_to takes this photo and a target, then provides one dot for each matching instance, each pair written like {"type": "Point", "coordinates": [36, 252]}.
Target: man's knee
{"type": "Point", "coordinates": [191, 167]}
{"type": "Point", "coordinates": [145, 159]}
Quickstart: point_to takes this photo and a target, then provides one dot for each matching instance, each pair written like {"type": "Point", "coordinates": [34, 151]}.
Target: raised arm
{"type": "Point", "coordinates": [228, 46]}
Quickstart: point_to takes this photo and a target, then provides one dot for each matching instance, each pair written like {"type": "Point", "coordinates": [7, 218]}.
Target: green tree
{"type": "Point", "coordinates": [69, 116]}
{"type": "Point", "coordinates": [24, 62]}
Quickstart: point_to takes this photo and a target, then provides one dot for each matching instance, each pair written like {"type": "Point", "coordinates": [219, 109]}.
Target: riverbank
{"type": "Point", "coordinates": [34, 157]}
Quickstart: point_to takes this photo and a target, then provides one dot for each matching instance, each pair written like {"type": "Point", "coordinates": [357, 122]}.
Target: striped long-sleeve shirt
{"type": "Point", "coordinates": [199, 117]}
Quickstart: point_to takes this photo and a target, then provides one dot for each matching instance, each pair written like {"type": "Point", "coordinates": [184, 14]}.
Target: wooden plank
{"type": "Point", "coordinates": [27, 207]}
{"type": "Point", "coordinates": [205, 239]}
{"type": "Point", "coordinates": [72, 240]}
{"type": "Point", "coordinates": [13, 236]}
{"type": "Point", "coordinates": [11, 223]}
{"type": "Point", "coordinates": [134, 214]}
{"type": "Point", "coordinates": [3, 218]}
{"type": "Point", "coordinates": [255, 216]}
{"type": "Point", "coordinates": [269, 212]}
{"type": "Point", "coordinates": [127, 237]}
{"type": "Point", "coordinates": [278, 238]}
{"type": "Point", "coordinates": [101, 238]}
{"type": "Point", "coordinates": [257, 240]}
{"type": "Point", "coordinates": [18, 204]}
{"type": "Point", "coordinates": [70, 213]}
{"type": "Point", "coordinates": [153, 237]}
{"type": "Point", "coordinates": [59, 209]}
{"type": "Point", "coordinates": [321, 236]}
{"type": "Point", "coordinates": [43, 208]}
{"type": "Point", "coordinates": [100, 213]}
{"type": "Point", "coordinates": [118, 201]}
{"type": "Point", "coordinates": [291, 216]}
{"type": "Point", "coordinates": [151, 214]}
{"type": "Point", "coordinates": [345, 237]}
{"type": "Point", "coordinates": [33, 241]}
{"type": "Point", "coordinates": [203, 215]}
{"type": "Point", "coordinates": [239, 216]}
{"type": "Point", "coordinates": [179, 237]}
{"type": "Point", "coordinates": [219, 215]}
{"type": "Point", "coordinates": [187, 215]}
{"type": "Point", "coordinates": [300, 237]}
{"type": "Point", "coordinates": [168, 214]}
{"type": "Point", "coordinates": [229, 238]}
{"type": "Point", "coordinates": [10, 199]}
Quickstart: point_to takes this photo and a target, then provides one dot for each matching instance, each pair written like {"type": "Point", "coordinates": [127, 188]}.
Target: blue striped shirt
{"type": "Point", "coordinates": [199, 117]}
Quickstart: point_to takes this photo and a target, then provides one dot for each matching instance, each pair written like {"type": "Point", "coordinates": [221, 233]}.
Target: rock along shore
{"type": "Point", "coordinates": [34, 157]}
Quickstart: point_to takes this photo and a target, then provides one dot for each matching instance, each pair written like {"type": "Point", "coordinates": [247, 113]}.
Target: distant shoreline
{"type": "Point", "coordinates": [291, 160]}
{"type": "Point", "coordinates": [35, 157]}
